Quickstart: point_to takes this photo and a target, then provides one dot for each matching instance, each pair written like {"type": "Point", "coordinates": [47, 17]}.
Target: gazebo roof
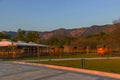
{"type": "Point", "coordinates": [10, 43]}
{"type": "Point", "coordinates": [6, 43]}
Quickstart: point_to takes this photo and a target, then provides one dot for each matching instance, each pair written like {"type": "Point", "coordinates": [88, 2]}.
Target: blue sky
{"type": "Point", "coordinates": [47, 15]}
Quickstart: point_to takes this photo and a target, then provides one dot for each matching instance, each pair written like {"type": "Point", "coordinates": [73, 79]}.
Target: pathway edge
{"type": "Point", "coordinates": [112, 75]}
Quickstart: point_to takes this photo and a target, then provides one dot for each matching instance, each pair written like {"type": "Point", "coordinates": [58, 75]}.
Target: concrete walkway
{"type": "Point", "coordinates": [14, 71]}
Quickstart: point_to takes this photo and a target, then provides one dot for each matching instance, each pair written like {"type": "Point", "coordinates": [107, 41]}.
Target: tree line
{"type": "Point", "coordinates": [22, 35]}
{"type": "Point", "coordinates": [4, 36]}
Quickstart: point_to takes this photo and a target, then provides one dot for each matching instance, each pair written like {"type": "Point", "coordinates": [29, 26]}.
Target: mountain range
{"type": "Point", "coordinates": [85, 31]}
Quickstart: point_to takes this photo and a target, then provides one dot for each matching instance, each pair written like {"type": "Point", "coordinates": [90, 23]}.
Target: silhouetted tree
{"type": "Point", "coordinates": [4, 36]}
{"type": "Point", "coordinates": [20, 36]}
{"type": "Point", "coordinates": [33, 37]}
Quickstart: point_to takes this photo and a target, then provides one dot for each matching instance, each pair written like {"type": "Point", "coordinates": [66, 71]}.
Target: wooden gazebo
{"type": "Point", "coordinates": [21, 49]}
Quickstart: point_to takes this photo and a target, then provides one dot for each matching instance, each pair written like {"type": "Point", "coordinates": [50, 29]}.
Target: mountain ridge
{"type": "Point", "coordinates": [76, 32]}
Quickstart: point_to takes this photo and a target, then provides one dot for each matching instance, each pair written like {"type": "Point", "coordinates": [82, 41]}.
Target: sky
{"type": "Point", "coordinates": [47, 15]}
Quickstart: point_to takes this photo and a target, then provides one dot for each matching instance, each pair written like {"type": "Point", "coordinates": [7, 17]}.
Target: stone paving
{"type": "Point", "coordinates": [12, 71]}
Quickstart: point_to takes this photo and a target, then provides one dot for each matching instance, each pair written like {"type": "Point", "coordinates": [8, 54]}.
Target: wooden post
{"type": "Point", "coordinates": [61, 51]}
{"type": "Point", "coordinates": [83, 63]}
{"type": "Point", "coordinates": [38, 53]}
{"type": "Point", "coordinates": [87, 49]}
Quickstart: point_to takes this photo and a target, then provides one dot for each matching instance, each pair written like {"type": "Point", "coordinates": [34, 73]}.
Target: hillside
{"type": "Point", "coordinates": [78, 31]}
{"type": "Point", "coordinates": [73, 32]}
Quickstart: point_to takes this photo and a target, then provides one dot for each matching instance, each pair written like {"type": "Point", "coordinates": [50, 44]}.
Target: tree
{"type": "Point", "coordinates": [33, 37]}
{"type": "Point", "coordinates": [20, 36]}
{"type": "Point", "coordinates": [116, 35]}
{"type": "Point", "coordinates": [4, 36]}
{"type": "Point", "coordinates": [52, 41]}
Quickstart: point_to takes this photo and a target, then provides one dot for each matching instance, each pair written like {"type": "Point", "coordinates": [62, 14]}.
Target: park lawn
{"type": "Point", "coordinates": [66, 55]}
{"type": "Point", "coordinates": [106, 65]}
{"type": "Point", "coordinates": [91, 55]}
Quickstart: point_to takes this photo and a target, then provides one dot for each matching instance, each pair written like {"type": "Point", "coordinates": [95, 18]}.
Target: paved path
{"type": "Point", "coordinates": [12, 71]}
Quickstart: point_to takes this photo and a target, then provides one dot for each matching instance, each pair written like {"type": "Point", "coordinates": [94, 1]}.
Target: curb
{"type": "Point", "coordinates": [100, 73]}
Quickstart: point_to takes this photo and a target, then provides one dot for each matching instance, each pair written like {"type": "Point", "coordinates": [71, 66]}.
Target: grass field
{"type": "Point", "coordinates": [91, 55]}
{"type": "Point", "coordinates": [107, 65]}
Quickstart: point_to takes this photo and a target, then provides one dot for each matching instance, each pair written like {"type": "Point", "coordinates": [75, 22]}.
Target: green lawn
{"type": "Point", "coordinates": [91, 55]}
{"type": "Point", "coordinates": [66, 55]}
{"type": "Point", "coordinates": [107, 65]}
